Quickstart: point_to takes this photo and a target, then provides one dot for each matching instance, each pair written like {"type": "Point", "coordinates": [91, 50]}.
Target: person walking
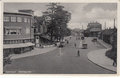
{"type": "Point", "coordinates": [75, 45]}
{"type": "Point", "coordinates": [115, 62]}
{"type": "Point", "coordinates": [67, 41]}
{"type": "Point", "coordinates": [78, 53]}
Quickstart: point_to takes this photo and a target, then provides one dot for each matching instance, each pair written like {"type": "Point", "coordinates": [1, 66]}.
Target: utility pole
{"type": "Point", "coordinates": [82, 36]}
{"type": "Point", "coordinates": [114, 23]}
{"type": "Point", "coordinates": [105, 25]}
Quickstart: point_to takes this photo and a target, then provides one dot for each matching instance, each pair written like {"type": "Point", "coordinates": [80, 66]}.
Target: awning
{"type": "Point", "coordinates": [5, 46]}
{"type": "Point", "coordinates": [45, 37]}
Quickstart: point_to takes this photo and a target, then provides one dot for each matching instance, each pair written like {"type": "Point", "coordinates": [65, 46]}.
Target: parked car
{"type": "Point", "coordinates": [94, 40]}
{"type": "Point", "coordinates": [62, 44]}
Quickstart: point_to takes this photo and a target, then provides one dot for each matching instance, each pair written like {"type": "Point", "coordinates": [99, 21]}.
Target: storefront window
{"type": "Point", "coordinates": [13, 19]}
{"type": "Point", "coordinates": [25, 19]}
{"type": "Point", "coordinates": [12, 31]}
{"type": "Point", "coordinates": [28, 20]}
{"type": "Point", "coordinates": [6, 19]}
{"type": "Point", "coordinates": [19, 19]}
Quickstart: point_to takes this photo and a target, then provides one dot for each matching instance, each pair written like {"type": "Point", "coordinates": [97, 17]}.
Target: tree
{"type": "Point", "coordinates": [38, 23]}
{"type": "Point", "coordinates": [56, 20]}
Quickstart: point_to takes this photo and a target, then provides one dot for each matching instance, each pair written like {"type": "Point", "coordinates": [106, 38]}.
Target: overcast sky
{"type": "Point", "coordinates": [82, 13]}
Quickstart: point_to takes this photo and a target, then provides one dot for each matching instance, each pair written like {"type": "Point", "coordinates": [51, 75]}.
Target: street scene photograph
{"type": "Point", "coordinates": [59, 38]}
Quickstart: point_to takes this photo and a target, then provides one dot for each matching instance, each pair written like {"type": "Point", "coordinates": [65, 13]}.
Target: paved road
{"type": "Point", "coordinates": [66, 63]}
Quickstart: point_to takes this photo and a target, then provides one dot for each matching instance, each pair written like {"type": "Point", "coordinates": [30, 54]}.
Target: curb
{"type": "Point", "coordinates": [32, 55]}
{"type": "Point", "coordinates": [101, 66]}
{"type": "Point", "coordinates": [97, 63]}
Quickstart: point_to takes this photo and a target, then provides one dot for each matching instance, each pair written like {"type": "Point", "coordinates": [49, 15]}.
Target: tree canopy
{"type": "Point", "coordinates": [56, 19]}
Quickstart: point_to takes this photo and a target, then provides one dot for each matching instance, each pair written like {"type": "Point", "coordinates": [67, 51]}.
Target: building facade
{"type": "Point", "coordinates": [94, 29]}
{"type": "Point", "coordinates": [40, 36]}
{"type": "Point", "coordinates": [18, 32]}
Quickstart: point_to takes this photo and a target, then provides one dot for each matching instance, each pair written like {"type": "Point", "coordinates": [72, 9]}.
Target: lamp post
{"type": "Point", "coordinates": [82, 38]}
{"type": "Point", "coordinates": [61, 45]}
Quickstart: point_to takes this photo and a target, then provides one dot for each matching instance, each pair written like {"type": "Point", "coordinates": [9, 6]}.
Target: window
{"type": "Point", "coordinates": [13, 19]}
{"type": "Point", "coordinates": [12, 31]}
{"type": "Point", "coordinates": [19, 19]}
{"type": "Point", "coordinates": [27, 30]}
{"type": "Point", "coordinates": [19, 31]}
{"type": "Point", "coordinates": [7, 42]}
{"type": "Point", "coordinates": [11, 41]}
{"type": "Point", "coordinates": [25, 19]}
{"type": "Point", "coordinates": [6, 32]}
{"type": "Point", "coordinates": [32, 21]}
{"type": "Point", "coordinates": [28, 20]}
{"type": "Point", "coordinates": [6, 19]}
{"type": "Point", "coordinates": [4, 42]}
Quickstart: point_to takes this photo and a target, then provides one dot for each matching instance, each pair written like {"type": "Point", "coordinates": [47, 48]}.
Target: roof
{"type": "Point", "coordinates": [17, 13]}
{"type": "Point", "coordinates": [27, 10]}
{"type": "Point", "coordinates": [93, 23]}
{"type": "Point", "coordinates": [95, 29]}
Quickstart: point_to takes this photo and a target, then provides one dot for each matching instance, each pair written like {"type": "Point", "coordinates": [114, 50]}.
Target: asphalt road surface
{"type": "Point", "coordinates": [66, 62]}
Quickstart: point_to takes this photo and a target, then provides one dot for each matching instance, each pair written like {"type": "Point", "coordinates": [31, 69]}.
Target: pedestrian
{"type": "Point", "coordinates": [115, 62]}
{"type": "Point", "coordinates": [75, 45]}
{"type": "Point", "coordinates": [67, 41]}
{"type": "Point", "coordinates": [78, 53]}
{"type": "Point", "coordinates": [55, 44]}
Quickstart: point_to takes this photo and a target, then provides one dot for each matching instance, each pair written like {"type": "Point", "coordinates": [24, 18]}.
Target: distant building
{"type": "Point", "coordinates": [18, 32]}
{"type": "Point", "coordinates": [94, 29]}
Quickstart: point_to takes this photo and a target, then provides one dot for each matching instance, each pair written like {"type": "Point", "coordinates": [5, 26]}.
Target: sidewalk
{"type": "Point", "coordinates": [98, 57]}
{"type": "Point", "coordinates": [34, 52]}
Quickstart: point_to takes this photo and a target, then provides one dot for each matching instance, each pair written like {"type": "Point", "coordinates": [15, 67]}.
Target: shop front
{"type": "Point", "coordinates": [17, 48]}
